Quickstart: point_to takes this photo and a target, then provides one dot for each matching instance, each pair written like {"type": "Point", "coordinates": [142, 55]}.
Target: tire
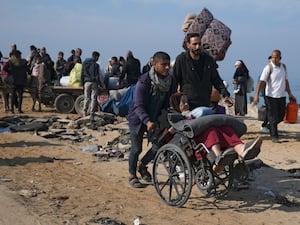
{"type": "Point", "coordinates": [215, 184]}
{"type": "Point", "coordinates": [172, 175]}
{"type": "Point", "coordinates": [79, 104]}
{"type": "Point", "coordinates": [64, 103]}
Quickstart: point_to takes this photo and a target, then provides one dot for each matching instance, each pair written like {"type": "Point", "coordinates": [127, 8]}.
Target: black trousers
{"type": "Point", "coordinates": [17, 97]}
{"type": "Point", "coordinates": [266, 122]}
{"type": "Point", "coordinates": [276, 111]}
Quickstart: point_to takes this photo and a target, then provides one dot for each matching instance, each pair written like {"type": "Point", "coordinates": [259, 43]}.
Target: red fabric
{"type": "Point", "coordinates": [224, 135]}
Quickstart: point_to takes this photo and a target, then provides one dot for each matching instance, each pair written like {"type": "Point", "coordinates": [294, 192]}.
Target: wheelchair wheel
{"type": "Point", "coordinates": [172, 175]}
{"type": "Point", "coordinates": [214, 184]}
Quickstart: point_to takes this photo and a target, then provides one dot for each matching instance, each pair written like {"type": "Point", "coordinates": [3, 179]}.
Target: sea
{"type": "Point", "coordinates": [295, 87]}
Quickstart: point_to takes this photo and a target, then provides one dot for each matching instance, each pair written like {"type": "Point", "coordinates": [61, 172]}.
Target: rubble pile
{"type": "Point", "coordinates": [74, 131]}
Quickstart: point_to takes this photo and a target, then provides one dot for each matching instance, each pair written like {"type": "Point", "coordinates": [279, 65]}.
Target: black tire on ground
{"type": "Point", "coordinates": [79, 104]}
{"type": "Point", "coordinates": [64, 103]}
{"type": "Point", "coordinates": [172, 175]}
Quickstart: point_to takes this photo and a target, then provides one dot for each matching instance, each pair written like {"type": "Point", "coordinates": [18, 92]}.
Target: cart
{"type": "Point", "coordinates": [64, 99]}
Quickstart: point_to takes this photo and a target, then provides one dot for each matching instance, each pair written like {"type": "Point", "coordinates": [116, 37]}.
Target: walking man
{"type": "Point", "coordinates": [274, 75]}
{"type": "Point", "coordinates": [151, 96]}
{"type": "Point", "coordinates": [196, 74]}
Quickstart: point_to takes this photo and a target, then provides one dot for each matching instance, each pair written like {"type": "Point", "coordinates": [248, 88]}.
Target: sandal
{"type": "Point", "coordinates": [251, 149]}
{"type": "Point", "coordinates": [135, 183]}
{"type": "Point", "coordinates": [146, 176]}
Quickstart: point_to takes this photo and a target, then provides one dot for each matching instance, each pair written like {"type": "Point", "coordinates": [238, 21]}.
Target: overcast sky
{"type": "Point", "coordinates": [144, 26]}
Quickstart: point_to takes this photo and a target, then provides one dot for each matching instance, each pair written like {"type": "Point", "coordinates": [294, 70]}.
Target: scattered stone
{"type": "Point", "coordinates": [106, 221]}
{"type": "Point", "coordinates": [63, 128]}
{"type": "Point", "coordinates": [286, 202]}
{"type": "Point", "coordinates": [57, 131]}
{"type": "Point", "coordinates": [295, 173]}
{"type": "Point", "coordinates": [4, 124]}
{"type": "Point", "coordinates": [70, 137]}
{"type": "Point", "coordinates": [90, 148]}
{"type": "Point", "coordinates": [42, 120]}
{"type": "Point", "coordinates": [5, 179]}
{"type": "Point", "coordinates": [30, 127]}
{"type": "Point", "coordinates": [47, 135]}
{"type": "Point", "coordinates": [61, 198]}
{"type": "Point", "coordinates": [28, 193]}
{"type": "Point", "coordinates": [66, 121]}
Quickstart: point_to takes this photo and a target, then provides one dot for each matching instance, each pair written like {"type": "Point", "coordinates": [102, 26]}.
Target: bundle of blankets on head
{"type": "Point", "coordinates": [215, 36]}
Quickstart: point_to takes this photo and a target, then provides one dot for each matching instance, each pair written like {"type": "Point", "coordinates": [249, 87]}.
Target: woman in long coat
{"type": "Point", "coordinates": [240, 78]}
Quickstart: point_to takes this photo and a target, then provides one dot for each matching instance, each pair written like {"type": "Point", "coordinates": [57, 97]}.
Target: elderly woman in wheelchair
{"type": "Point", "coordinates": [203, 150]}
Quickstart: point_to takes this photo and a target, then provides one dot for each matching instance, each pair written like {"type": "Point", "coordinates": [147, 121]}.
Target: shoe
{"type": "Point", "coordinates": [134, 182]}
{"type": "Point", "coordinates": [265, 130]}
{"type": "Point", "coordinates": [252, 149]}
{"type": "Point", "coordinates": [146, 176]}
{"type": "Point", "coordinates": [226, 158]}
{"type": "Point", "coordinates": [275, 140]}
{"type": "Point", "coordinates": [20, 111]}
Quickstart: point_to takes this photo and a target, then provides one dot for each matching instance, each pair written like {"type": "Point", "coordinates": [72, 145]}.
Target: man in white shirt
{"type": "Point", "coordinates": [274, 75]}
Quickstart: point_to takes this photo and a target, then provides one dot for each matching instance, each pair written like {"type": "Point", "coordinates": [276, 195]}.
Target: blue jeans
{"type": "Point", "coordinates": [136, 149]}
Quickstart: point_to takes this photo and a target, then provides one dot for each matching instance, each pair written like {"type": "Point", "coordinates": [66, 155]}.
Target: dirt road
{"type": "Point", "coordinates": [49, 181]}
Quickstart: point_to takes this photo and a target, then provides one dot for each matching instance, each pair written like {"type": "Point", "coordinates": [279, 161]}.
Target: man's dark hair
{"type": "Point", "coordinates": [37, 57]}
{"type": "Point", "coordinates": [121, 58]}
{"type": "Point", "coordinates": [16, 53]}
{"type": "Point", "coordinates": [95, 54]}
{"type": "Point", "coordinates": [32, 47]}
{"type": "Point", "coordinates": [161, 56]}
{"type": "Point", "coordinates": [191, 35]}
{"type": "Point", "coordinates": [115, 58]}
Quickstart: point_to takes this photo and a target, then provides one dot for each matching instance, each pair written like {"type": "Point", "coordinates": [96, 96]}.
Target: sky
{"type": "Point", "coordinates": [145, 26]}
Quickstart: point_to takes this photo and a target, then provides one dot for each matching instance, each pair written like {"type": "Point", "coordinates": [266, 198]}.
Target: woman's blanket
{"type": "Point", "coordinates": [195, 127]}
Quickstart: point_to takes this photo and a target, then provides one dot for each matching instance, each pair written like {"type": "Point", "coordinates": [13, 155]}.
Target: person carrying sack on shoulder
{"type": "Point", "coordinates": [275, 78]}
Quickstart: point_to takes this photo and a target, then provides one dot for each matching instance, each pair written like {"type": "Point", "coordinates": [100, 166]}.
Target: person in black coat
{"type": "Point", "coordinates": [151, 98]}
{"type": "Point", "coordinates": [17, 68]}
{"type": "Point", "coordinates": [240, 78]}
{"type": "Point", "coordinates": [196, 74]}
{"type": "Point", "coordinates": [131, 69]}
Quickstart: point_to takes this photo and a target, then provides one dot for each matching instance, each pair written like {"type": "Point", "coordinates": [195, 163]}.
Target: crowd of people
{"type": "Point", "coordinates": [194, 75]}
{"type": "Point", "coordinates": [40, 69]}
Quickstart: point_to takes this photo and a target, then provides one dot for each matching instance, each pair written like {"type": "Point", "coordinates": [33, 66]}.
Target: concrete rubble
{"type": "Point", "coordinates": [74, 130]}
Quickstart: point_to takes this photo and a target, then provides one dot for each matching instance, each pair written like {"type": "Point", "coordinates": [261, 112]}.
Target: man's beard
{"type": "Point", "coordinates": [196, 51]}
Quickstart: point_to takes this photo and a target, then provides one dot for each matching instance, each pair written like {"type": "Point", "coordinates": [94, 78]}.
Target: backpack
{"type": "Point", "coordinates": [263, 88]}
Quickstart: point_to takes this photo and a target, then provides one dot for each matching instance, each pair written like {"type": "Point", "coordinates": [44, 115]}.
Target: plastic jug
{"type": "Point", "coordinates": [291, 115]}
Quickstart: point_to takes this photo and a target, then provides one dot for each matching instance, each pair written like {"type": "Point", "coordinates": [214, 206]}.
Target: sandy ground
{"type": "Point", "coordinates": [45, 181]}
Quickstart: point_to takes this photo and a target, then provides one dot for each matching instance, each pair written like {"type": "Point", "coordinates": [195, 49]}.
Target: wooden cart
{"type": "Point", "coordinates": [64, 99]}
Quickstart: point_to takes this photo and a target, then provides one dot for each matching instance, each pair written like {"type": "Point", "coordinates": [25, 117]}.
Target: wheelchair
{"type": "Point", "coordinates": [180, 162]}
